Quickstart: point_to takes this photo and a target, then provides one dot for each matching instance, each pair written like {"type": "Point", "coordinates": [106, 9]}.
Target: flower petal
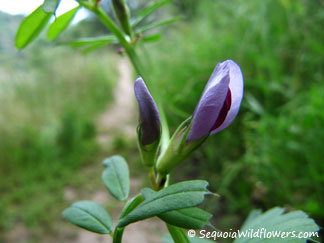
{"type": "Point", "coordinates": [210, 103]}
{"type": "Point", "coordinates": [150, 123]}
{"type": "Point", "coordinates": [236, 85]}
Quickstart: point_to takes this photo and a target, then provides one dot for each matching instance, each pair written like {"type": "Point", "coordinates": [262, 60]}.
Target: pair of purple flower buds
{"type": "Point", "coordinates": [216, 110]}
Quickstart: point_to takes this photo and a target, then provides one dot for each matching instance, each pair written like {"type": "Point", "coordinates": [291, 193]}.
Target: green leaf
{"type": "Point", "coordinates": [116, 177]}
{"type": "Point", "coordinates": [145, 12]}
{"type": "Point", "coordinates": [31, 26]}
{"type": "Point", "coordinates": [49, 6]}
{"type": "Point", "coordinates": [131, 205]}
{"type": "Point", "coordinates": [158, 24]}
{"type": "Point", "coordinates": [168, 239]}
{"type": "Point", "coordinates": [177, 196]}
{"type": "Point", "coordinates": [60, 23]}
{"type": "Point", "coordinates": [90, 216]}
{"type": "Point", "coordinates": [188, 218]}
{"type": "Point", "coordinates": [92, 41]}
{"type": "Point", "coordinates": [92, 48]}
{"type": "Point", "coordinates": [151, 38]}
{"type": "Point", "coordinates": [178, 235]}
{"type": "Point", "coordinates": [274, 220]}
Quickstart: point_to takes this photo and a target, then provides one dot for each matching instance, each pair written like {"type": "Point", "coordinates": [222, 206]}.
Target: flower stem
{"type": "Point", "coordinates": [152, 177]}
{"type": "Point", "coordinates": [118, 235]}
{"type": "Point", "coordinates": [177, 234]}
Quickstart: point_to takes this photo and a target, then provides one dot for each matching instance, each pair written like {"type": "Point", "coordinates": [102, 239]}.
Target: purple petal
{"type": "Point", "coordinates": [236, 88]}
{"type": "Point", "coordinates": [210, 103]}
{"type": "Point", "coordinates": [150, 123]}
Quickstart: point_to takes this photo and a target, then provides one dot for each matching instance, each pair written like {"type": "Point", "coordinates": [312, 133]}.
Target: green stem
{"type": "Point", "coordinates": [111, 26]}
{"type": "Point", "coordinates": [152, 177]}
{"type": "Point", "coordinates": [138, 66]}
{"type": "Point", "coordinates": [177, 234]}
{"type": "Point", "coordinates": [118, 235]}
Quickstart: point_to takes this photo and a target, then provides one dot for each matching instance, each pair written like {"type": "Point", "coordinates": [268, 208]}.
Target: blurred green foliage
{"type": "Point", "coordinates": [49, 99]}
{"type": "Point", "coordinates": [272, 154]}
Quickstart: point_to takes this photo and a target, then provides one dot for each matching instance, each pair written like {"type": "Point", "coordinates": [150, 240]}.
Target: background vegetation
{"type": "Point", "coordinates": [272, 155]}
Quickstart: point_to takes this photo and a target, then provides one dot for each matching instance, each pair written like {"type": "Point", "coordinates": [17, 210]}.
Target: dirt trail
{"type": "Point", "coordinates": [120, 119]}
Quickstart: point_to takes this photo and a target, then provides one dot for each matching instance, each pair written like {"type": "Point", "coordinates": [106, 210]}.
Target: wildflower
{"type": "Point", "coordinates": [149, 128]}
{"type": "Point", "coordinates": [216, 110]}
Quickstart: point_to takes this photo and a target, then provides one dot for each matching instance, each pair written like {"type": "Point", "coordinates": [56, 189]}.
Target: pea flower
{"type": "Point", "coordinates": [149, 128]}
{"type": "Point", "coordinates": [219, 102]}
{"type": "Point", "coordinates": [217, 108]}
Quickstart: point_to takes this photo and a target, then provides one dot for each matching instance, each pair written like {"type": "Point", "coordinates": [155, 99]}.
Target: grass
{"type": "Point", "coordinates": [48, 106]}
{"type": "Point", "coordinates": [271, 155]}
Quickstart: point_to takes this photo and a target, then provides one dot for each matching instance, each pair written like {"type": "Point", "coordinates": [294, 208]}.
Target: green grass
{"type": "Point", "coordinates": [49, 102]}
{"type": "Point", "coordinates": [271, 155]}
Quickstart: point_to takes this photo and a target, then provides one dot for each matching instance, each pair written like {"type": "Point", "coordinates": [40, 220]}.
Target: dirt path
{"type": "Point", "coordinates": [120, 119]}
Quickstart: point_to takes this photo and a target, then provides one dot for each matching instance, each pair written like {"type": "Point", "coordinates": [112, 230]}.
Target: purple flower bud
{"type": "Point", "coordinates": [219, 102]}
{"type": "Point", "coordinates": [150, 124]}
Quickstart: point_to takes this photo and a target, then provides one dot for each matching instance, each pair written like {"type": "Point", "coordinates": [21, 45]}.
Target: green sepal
{"type": "Point", "coordinates": [178, 149]}
{"type": "Point", "coordinates": [148, 152]}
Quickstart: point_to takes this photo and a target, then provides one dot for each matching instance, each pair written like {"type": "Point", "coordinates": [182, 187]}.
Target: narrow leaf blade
{"type": "Point", "coordinates": [60, 23]}
{"type": "Point", "coordinates": [116, 177]}
{"type": "Point", "coordinates": [177, 196]}
{"type": "Point", "coordinates": [145, 12]}
{"type": "Point", "coordinates": [159, 24]}
{"type": "Point", "coordinates": [90, 216]}
{"type": "Point", "coordinates": [49, 6]}
{"type": "Point", "coordinates": [31, 26]}
{"type": "Point", "coordinates": [151, 38]}
{"type": "Point", "coordinates": [87, 42]}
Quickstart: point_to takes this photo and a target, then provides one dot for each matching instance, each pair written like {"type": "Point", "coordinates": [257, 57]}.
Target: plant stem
{"type": "Point", "coordinates": [118, 235]}
{"type": "Point", "coordinates": [177, 234]}
{"type": "Point", "coordinates": [152, 177]}
{"type": "Point", "coordinates": [111, 26]}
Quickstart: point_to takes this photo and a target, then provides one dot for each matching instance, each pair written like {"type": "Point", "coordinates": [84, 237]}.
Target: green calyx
{"type": "Point", "coordinates": [123, 16]}
{"type": "Point", "coordinates": [178, 149]}
{"type": "Point", "coordinates": [148, 152]}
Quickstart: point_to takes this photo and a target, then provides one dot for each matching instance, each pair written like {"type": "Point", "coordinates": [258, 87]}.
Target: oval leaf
{"type": "Point", "coordinates": [188, 218]}
{"type": "Point", "coordinates": [177, 196]}
{"type": "Point", "coordinates": [90, 216]}
{"type": "Point", "coordinates": [49, 6]}
{"type": "Point", "coordinates": [31, 26]}
{"type": "Point", "coordinates": [116, 177]}
{"type": "Point", "coordinates": [60, 23]}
